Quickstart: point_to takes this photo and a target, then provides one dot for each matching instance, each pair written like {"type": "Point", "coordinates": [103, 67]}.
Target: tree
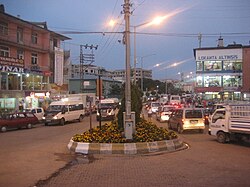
{"type": "Point", "coordinates": [115, 90]}
{"type": "Point", "coordinates": [136, 105]}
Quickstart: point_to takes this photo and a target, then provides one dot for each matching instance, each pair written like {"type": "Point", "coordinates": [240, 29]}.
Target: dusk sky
{"type": "Point", "coordinates": [170, 42]}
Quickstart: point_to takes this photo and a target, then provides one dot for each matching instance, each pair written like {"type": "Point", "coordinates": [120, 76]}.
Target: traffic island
{"type": "Point", "coordinates": [127, 148]}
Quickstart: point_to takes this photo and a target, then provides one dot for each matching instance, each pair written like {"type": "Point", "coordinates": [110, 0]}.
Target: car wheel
{"type": "Point", "coordinates": [81, 118]}
{"type": "Point", "coordinates": [179, 129]}
{"type": "Point", "coordinates": [222, 137]}
{"type": "Point", "coordinates": [62, 122]}
{"type": "Point", "coordinates": [29, 126]}
{"type": "Point", "coordinates": [46, 124]}
{"type": "Point", "coordinates": [3, 129]}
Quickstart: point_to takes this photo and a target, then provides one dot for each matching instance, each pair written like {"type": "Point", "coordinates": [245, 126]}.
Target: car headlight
{"type": "Point", "coordinates": [55, 117]}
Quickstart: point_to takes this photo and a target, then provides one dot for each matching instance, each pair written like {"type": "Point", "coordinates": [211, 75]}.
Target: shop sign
{"type": "Point", "coordinates": [5, 68]}
{"type": "Point", "coordinates": [9, 61]}
{"type": "Point", "coordinates": [221, 54]}
{"type": "Point", "coordinates": [37, 94]}
{"type": "Point", "coordinates": [47, 73]}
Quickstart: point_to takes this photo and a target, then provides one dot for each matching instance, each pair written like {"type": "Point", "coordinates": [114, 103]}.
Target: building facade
{"type": "Point", "coordinates": [30, 59]}
{"type": "Point", "coordinates": [223, 72]}
{"type": "Point", "coordinates": [120, 74]}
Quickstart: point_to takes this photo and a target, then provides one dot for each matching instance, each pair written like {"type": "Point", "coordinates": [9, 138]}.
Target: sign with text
{"type": "Point", "coordinates": [219, 54]}
{"type": "Point", "coordinates": [9, 61]}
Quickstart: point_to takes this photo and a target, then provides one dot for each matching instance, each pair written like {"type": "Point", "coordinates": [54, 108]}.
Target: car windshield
{"type": "Point", "coordinates": [156, 104]}
{"type": "Point", "coordinates": [55, 107]}
{"type": "Point", "coordinates": [193, 114]}
{"type": "Point", "coordinates": [106, 105]}
{"type": "Point", "coordinates": [166, 109]}
{"type": "Point", "coordinates": [175, 98]}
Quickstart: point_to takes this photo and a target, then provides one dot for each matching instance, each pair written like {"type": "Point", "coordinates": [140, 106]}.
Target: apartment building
{"type": "Point", "coordinates": [30, 59]}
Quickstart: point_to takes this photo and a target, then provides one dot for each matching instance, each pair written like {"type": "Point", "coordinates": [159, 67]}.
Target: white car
{"type": "Point", "coordinates": [164, 113]}
{"type": "Point", "coordinates": [154, 106]}
{"type": "Point", "coordinates": [38, 112]}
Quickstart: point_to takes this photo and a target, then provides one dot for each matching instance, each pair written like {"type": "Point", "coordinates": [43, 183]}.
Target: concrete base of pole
{"type": "Point", "coordinates": [129, 125]}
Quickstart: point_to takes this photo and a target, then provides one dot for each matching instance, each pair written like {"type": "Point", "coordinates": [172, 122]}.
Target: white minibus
{"type": "Point", "coordinates": [60, 112]}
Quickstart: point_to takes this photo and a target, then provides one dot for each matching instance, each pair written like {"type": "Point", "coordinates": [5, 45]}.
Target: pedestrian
{"type": "Point", "coordinates": [150, 114]}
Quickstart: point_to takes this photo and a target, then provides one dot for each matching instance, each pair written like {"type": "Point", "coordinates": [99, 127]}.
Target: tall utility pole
{"type": "Point", "coordinates": [126, 7]}
{"type": "Point", "coordinates": [129, 117]}
{"type": "Point", "coordinates": [84, 59]}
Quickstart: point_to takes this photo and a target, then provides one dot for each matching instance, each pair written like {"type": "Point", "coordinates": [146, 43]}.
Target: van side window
{"type": "Point", "coordinates": [39, 110]}
{"type": "Point", "coordinates": [71, 107]}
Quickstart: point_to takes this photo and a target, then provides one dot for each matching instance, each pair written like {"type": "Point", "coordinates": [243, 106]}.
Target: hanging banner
{"type": "Point", "coordinates": [59, 61]}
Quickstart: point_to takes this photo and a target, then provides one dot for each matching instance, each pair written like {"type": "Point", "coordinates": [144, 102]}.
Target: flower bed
{"type": "Point", "coordinates": [109, 133]}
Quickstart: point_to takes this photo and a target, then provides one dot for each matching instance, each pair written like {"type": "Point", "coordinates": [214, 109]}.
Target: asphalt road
{"type": "Point", "coordinates": [29, 156]}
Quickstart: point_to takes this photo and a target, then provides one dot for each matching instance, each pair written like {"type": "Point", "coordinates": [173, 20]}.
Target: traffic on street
{"type": "Point", "coordinates": [32, 157]}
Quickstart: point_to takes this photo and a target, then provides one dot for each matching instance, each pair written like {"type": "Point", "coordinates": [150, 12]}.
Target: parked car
{"type": "Point", "coordinates": [164, 113]}
{"type": "Point", "coordinates": [17, 120]}
{"type": "Point", "coordinates": [187, 119]}
{"type": "Point", "coordinates": [39, 112]}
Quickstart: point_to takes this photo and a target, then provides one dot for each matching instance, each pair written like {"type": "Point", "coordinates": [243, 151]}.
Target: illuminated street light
{"type": "Point", "coordinates": [155, 21]}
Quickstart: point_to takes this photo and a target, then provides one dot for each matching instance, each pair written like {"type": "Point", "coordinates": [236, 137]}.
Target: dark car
{"type": "Point", "coordinates": [17, 121]}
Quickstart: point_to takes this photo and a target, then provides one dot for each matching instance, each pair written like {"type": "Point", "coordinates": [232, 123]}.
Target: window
{"type": "Point", "coordinates": [20, 54]}
{"type": "Point", "coordinates": [4, 51]}
{"type": "Point", "coordinates": [55, 42]}
{"type": "Point", "coordinates": [212, 65]}
{"type": "Point", "coordinates": [212, 81]}
{"type": "Point", "coordinates": [218, 115]}
{"type": "Point", "coordinates": [3, 28]}
{"type": "Point", "coordinates": [193, 114]}
{"type": "Point", "coordinates": [199, 82]}
{"type": "Point", "coordinates": [199, 66]}
{"type": "Point", "coordinates": [34, 58]}
{"type": "Point", "coordinates": [232, 81]}
{"type": "Point", "coordinates": [34, 38]}
{"type": "Point", "coordinates": [19, 35]}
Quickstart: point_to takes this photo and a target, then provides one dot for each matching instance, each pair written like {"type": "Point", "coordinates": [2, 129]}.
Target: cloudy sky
{"type": "Point", "coordinates": [159, 46]}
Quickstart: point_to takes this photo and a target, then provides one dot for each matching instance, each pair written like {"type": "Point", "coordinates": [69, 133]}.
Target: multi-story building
{"type": "Point", "coordinates": [140, 73]}
{"type": "Point", "coordinates": [30, 59]}
{"type": "Point", "coordinates": [89, 81]}
{"type": "Point", "coordinates": [223, 72]}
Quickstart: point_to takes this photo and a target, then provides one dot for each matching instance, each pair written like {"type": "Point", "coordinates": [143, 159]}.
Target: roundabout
{"type": "Point", "coordinates": [127, 148]}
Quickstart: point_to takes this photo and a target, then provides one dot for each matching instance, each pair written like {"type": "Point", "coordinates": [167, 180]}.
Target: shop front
{"type": "Point", "coordinates": [16, 84]}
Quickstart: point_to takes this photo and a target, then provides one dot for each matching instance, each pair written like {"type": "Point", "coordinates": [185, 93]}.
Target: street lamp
{"type": "Point", "coordinates": [155, 21]}
{"type": "Point", "coordinates": [141, 69]}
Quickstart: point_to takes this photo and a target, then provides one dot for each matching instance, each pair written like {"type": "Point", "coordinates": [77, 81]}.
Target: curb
{"type": "Point", "coordinates": [126, 148]}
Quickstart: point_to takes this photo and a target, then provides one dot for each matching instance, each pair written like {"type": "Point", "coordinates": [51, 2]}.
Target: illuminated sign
{"type": "Point", "coordinates": [11, 69]}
